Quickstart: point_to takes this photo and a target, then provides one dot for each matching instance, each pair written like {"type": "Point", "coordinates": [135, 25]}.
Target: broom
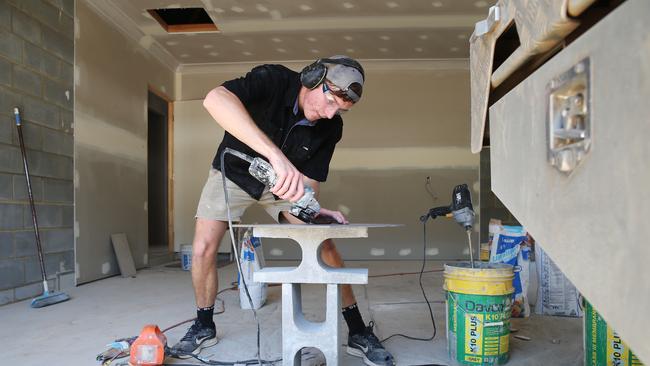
{"type": "Point", "coordinates": [47, 298]}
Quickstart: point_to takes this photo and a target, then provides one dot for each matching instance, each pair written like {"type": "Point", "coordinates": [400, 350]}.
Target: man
{"type": "Point", "coordinates": [293, 120]}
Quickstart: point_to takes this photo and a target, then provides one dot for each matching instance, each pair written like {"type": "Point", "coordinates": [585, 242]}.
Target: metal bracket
{"type": "Point", "coordinates": [569, 125]}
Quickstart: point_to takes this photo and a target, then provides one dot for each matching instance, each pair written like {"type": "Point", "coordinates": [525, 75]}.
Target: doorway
{"type": "Point", "coordinates": [158, 178]}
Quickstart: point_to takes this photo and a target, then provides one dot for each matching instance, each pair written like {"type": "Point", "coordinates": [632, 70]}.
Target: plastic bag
{"type": "Point", "coordinates": [252, 259]}
{"type": "Point", "coordinates": [509, 246]}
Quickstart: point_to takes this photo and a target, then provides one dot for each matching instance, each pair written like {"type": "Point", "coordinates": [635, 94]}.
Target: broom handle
{"type": "Point", "coordinates": [31, 196]}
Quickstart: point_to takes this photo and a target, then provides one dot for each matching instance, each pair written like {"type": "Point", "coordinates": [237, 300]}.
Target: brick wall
{"type": "Point", "coordinates": [36, 74]}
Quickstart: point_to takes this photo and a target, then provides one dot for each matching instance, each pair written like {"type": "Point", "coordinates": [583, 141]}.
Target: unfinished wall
{"type": "Point", "coordinates": [36, 55]}
{"type": "Point", "coordinates": [412, 123]}
{"type": "Point", "coordinates": [111, 80]}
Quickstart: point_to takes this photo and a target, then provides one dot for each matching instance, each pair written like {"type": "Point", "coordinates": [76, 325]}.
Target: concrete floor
{"type": "Point", "coordinates": [73, 333]}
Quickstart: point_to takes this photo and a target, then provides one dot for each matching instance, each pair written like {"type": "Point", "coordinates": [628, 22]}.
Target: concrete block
{"type": "Point", "coordinates": [7, 297]}
{"type": "Point", "coordinates": [67, 147]}
{"type": "Point", "coordinates": [12, 217]}
{"type": "Point", "coordinates": [10, 159]}
{"type": "Point", "coordinates": [47, 215]}
{"type": "Point", "coordinates": [26, 27]}
{"type": "Point", "coordinates": [59, 45]}
{"type": "Point", "coordinates": [33, 269]}
{"type": "Point", "coordinates": [307, 273]}
{"type": "Point", "coordinates": [57, 142]}
{"type": "Point", "coordinates": [12, 273]}
{"type": "Point", "coordinates": [57, 240]}
{"type": "Point", "coordinates": [28, 291]}
{"type": "Point", "coordinates": [58, 190]}
{"type": "Point", "coordinates": [66, 280]}
{"type": "Point", "coordinates": [58, 93]}
{"type": "Point", "coordinates": [27, 81]}
{"type": "Point", "coordinates": [6, 130]}
{"type": "Point", "coordinates": [41, 112]}
{"type": "Point", "coordinates": [5, 15]}
{"type": "Point", "coordinates": [5, 72]}
{"type": "Point", "coordinates": [66, 5]}
{"type": "Point", "coordinates": [65, 261]}
{"type": "Point", "coordinates": [25, 243]}
{"type": "Point", "coordinates": [311, 268]}
{"type": "Point", "coordinates": [6, 245]}
{"type": "Point", "coordinates": [20, 188]}
{"type": "Point", "coordinates": [6, 186]}
{"type": "Point", "coordinates": [54, 263]}
{"type": "Point", "coordinates": [49, 15]}
{"type": "Point", "coordinates": [32, 136]}
{"type": "Point", "coordinates": [50, 165]}
{"type": "Point", "coordinates": [67, 121]}
{"type": "Point", "coordinates": [8, 100]}
{"type": "Point", "coordinates": [43, 61]}
{"type": "Point", "coordinates": [297, 332]}
{"type": "Point", "coordinates": [11, 46]}
{"type": "Point", "coordinates": [68, 216]}
{"type": "Point", "coordinates": [67, 73]}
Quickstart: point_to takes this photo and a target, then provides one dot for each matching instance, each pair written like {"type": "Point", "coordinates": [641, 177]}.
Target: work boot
{"type": "Point", "coordinates": [367, 346]}
{"type": "Point", "coordinates": [197, 337]}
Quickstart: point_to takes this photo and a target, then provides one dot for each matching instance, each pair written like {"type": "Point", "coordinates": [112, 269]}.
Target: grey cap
{"type": "Point", "coordinates": [344, 76]}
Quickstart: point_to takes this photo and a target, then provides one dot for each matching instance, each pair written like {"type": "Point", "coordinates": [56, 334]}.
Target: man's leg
{"type": "Point", "coordinates": [332, 258]}
{"type": "Point", "coordinates": [207, 237]}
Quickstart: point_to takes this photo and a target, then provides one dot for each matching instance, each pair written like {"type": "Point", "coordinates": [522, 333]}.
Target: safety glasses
{"type": "Point", "coordinates": [350, 94]}
{"type": "Point", "coordinates": [331, 101]}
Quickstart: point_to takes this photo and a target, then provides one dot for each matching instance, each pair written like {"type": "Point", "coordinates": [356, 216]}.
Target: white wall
{"type": "Point", "coordinates": [413, 122]}
{"type": "Point", "coordinates": [195, 143]}
{"type": "Point", "coordinates": [112, 74]}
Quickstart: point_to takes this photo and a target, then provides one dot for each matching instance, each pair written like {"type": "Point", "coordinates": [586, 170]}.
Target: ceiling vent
{"type": "Point", "coordinates": [184, 20]}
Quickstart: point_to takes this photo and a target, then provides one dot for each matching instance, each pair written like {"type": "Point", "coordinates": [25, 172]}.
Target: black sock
{"type": "Point", "coordinates": [353, 317]}
{"type": "Point", "coordinates": [204, 316]}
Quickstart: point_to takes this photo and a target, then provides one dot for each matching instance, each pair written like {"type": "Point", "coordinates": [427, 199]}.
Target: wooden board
{"type": "Point", "coordinates": [123, 254]}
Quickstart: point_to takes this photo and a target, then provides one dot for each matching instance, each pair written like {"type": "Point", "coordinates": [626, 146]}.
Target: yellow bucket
{"type": "Point", "coordinates": [479, 302]}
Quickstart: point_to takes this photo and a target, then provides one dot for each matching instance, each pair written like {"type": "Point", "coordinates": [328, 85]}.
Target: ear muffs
{"type": "Point", "coordinates": [313, 75]}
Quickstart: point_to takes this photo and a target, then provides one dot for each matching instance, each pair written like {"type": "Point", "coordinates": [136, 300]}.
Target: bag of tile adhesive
{"type": "Point", "coordinates": [556, 295]}
{"type": "Point", "coordinates": [252, 259]}
{"type": "Point", "coordinates": [510, 246]}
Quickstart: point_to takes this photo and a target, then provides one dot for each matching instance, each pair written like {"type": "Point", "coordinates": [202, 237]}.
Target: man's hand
{"type": "Point", "coordinates": [289, 181]}
{"type": "Point", "coordinates": [336, 215]}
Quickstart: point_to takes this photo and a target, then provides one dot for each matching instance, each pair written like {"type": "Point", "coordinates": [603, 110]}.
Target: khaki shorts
{"type": "Point", "coordinates": [212, 204]}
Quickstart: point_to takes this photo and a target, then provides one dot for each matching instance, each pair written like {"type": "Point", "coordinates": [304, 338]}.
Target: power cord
{"type": "Point", "coordinates": [258, 360]}
{"type": "Point", "coordinates": [433, 321]}
{"type": "Point", "coordinates": [236, 254]}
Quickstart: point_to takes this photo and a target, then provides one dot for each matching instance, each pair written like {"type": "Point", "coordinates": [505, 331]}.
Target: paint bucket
{"type": "Point", "coordinates": [603, 346]}
{"type": "Point", "coordinates": [186, 257]}
{"type": "Point", "coordinates": [479, 303]}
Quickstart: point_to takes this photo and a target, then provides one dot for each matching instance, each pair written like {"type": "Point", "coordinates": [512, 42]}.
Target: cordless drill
{"type": "Point", "coordinates": [306, 208]}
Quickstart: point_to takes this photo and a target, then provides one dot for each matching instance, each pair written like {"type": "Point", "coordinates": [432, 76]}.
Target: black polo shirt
{"type": "Point", "coordinates": [270, 93]}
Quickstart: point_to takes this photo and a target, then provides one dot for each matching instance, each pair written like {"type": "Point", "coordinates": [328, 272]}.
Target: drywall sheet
{"type": "Point", "coordinates": [112, 74]}
{"type": "Point", "coordinates": [123, 254]}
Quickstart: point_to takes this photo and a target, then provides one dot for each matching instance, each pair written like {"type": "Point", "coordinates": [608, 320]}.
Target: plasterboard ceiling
{"type": "Point", "coordinates": [285, 30]}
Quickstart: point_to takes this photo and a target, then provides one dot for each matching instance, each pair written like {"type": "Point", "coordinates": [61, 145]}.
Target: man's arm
{"type": "Point", "coordinates": [336, 215]}
{"type": "Point", "coordinates": [229, 112]}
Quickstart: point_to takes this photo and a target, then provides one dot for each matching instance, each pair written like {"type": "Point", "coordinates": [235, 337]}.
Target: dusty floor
{"type": "Point", "coordinates": [73, 333]}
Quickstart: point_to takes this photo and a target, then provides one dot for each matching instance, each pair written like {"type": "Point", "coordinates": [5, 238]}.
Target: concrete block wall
{"type": "Point", "coordinates": [36, 74]}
